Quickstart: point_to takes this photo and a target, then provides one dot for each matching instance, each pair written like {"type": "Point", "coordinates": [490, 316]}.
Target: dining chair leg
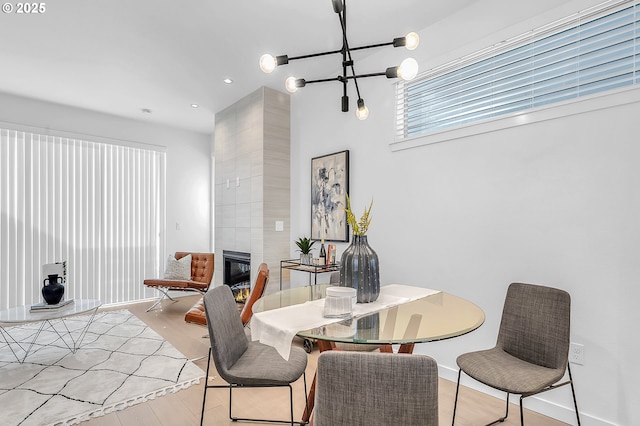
{"type": "Point", "coordinates": [521, 412]}
{"type": "Point", "coordinates": [204, 396]}
{"type": "Point", "coordinates": [323, 345]}
{"type": "Point", "coordinates": [455, 405]}
{"type": "Point", "coordinates": [506, 413]}
{"type": "Point", "coordinates": [304, 379]}
{"type": "Point", "coordinates": [291, 402]}
{"type": "Point", "coordinates": [455, 401]}
{"type": "Point", "coordinates": [244, 419]}
{"type": "Point", "coordinates": [308, 408]}
{"type": "Point", "coordinates": [573, 393]}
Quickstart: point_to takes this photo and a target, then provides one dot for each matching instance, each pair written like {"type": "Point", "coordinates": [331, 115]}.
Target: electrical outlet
{"type": "Point", "coordinates": [576, 353]}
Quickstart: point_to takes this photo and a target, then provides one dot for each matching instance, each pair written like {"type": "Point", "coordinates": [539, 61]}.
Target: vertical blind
{"type": "Point", "coordinates": [583, 58]}
{"type": "Point", "coordinates": [99, 207]}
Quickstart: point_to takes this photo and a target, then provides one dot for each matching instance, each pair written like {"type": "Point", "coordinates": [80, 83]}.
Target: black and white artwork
{"type": "Point", "coordinates": [329, 186]}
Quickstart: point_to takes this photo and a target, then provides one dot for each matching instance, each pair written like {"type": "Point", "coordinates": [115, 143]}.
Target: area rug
{"type": "Point", "coordinates": [121, 362]}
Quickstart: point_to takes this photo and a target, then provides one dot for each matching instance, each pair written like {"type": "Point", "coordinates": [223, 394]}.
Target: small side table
{"type": "Point", "coordinates": [295, 265]}
{"type": "Point", "coordinates": [51, 318]}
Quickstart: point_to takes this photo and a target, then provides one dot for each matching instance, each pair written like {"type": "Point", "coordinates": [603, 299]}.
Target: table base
{"type": "Point", "coordinates": [64, 334]}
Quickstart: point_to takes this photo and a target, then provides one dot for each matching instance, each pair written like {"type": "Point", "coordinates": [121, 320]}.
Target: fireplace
{"type": "Point", "coordinates": [237, 273]}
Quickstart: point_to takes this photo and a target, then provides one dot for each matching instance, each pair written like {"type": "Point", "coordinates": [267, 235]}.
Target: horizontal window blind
{"type": "Point", "coordinates": [100, 207]}
{"type": "Point", "coordinates": [584, 58]}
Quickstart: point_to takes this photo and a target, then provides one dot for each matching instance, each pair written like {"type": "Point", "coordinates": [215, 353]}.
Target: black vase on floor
{"type": "Point", "coordinates": [360, 269]}
{"type": "Point", "coordinates": [52, 289]}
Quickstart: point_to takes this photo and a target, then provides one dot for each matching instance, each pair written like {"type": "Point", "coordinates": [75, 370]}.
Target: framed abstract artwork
{"type": "Point", "coordinates": [329, 186]}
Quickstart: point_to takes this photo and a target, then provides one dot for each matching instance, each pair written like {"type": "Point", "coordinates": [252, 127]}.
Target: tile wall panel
{"type": "Point", "coordinates": [252, 143]}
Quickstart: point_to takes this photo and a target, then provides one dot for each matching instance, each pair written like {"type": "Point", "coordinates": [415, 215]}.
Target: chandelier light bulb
{"type": "Point", "coordinates": [408, 69]}
{"type": "Point", "coordinates": [290, 85]}
{"type": "Point", "coordinates": [362, 112]}
{"type": "Point", "coordinates": [413, 40]}
{"type": "Point", "coordinates": [267, 63]}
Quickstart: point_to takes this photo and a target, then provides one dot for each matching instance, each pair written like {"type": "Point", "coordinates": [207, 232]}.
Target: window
{"type": "Point", "coordinates": [100, 207]}
{"type": "Point", "coordinates": [564, 62]}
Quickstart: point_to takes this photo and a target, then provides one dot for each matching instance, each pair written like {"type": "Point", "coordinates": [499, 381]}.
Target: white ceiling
{"type": "Point", "coordinates": [121, 56]}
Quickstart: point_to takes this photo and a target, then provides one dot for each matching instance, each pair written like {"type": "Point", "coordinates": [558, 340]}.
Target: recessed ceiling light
{"type": "Point", "coordinates": [227, 81]}
{"type": "Point", "coordinates": [194, 105]}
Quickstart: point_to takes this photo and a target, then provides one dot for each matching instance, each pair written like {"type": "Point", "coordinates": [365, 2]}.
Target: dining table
{"type": "Point", "coordinates": [420, 315]}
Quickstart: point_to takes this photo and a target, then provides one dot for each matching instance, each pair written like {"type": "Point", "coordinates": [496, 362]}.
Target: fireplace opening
{"type": "Point", "coordinates": [237, 273]}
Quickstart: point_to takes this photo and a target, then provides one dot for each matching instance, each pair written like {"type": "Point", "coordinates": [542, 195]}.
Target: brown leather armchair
{"type": "Point", "coordinates": [201, 275]}
{"type": "Point", "coordinates": [197, 315]}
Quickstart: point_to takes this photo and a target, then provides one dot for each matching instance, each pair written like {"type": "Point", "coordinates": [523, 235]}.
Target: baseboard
{"type": "Point", "coordinates": [533, 403]}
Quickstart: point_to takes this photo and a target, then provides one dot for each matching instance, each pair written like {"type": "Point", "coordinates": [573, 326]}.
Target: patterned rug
{"type": "Point", "coordinates": [121, 362]}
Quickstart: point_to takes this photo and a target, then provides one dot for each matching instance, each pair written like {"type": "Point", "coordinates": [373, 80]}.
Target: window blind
{"type": "Point", "coordinates": [586, 57]}
{"type": "Point", "coordinates": [100, 207]}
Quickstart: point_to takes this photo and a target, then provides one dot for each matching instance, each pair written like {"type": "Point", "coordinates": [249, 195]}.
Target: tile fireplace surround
{"type": "Point", "coordinates": [252, 180]}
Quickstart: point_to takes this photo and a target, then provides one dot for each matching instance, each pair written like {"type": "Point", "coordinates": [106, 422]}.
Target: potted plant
{"type": "Point", "coordinates": [304, 245]}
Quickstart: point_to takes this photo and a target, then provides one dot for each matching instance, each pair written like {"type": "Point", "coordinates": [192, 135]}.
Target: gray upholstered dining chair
{"type": "Point", "coordinates": [371, 388]}
{"type": "Point", "coordinates": [243, 363]}
{"type": "Point", "coordinates": [532, 351]}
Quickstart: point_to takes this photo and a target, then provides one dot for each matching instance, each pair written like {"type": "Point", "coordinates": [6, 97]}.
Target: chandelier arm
{"type": "Point", "coordinates": [372, 45]}
{"type": "Point", "coordinates": [343, 25]}
{"type": "Point", "coordinates": [333, 52]}
{"type": "Point", "coordinates": [343, 79]}
{"type": "Point", "coordinates": [313, 55]}
{"type": "Point", "coordinates": [324, 80]}
{"type": "Point", "coordinates": [374, 74]}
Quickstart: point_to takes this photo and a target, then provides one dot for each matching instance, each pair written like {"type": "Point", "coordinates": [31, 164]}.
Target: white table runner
{"type": "Point", "coordinates": [277, 327]}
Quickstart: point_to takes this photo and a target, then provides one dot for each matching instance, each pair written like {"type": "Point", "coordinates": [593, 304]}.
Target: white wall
{"type": "Point", "coordinates": [188, 159]}
{"type": "Point", "coordinates": [554, 203]}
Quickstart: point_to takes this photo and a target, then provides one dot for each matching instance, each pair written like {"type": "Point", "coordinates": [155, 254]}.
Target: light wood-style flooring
{"type": "Point", "coordinates": [183, 407]}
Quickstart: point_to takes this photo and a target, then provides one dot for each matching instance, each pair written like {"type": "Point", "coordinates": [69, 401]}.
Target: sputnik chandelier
{"type": "Point", "coordinates": [406, 71]}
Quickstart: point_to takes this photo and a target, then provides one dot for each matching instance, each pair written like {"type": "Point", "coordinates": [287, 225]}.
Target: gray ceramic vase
{"type": "Point", "coordinates": [360, 269]}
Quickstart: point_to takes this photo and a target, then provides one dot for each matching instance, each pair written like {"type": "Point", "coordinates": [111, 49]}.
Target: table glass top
{"type": "Point", "coordinates": [22, 314]}
{"type": "Point", "coordinates": [436, 317]}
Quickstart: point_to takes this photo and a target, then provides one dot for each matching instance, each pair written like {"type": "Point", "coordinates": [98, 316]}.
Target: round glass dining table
{"type": "Point", "coordinates": [435, 317]}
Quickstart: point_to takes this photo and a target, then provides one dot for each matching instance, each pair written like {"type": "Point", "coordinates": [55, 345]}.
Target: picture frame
{"type": "Point", "coordinates": [329, 187]}
{"type": "Point", "coordinates": [57, 268]}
